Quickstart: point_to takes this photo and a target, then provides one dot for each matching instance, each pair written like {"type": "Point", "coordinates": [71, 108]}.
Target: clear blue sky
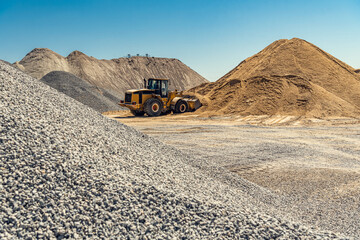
{"type": "Point", "coordinates": [210, 36]}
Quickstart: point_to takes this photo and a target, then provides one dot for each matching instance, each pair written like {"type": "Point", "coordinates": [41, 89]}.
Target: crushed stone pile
{"type": "Point", "coordinates": [97, 98]}
{"type": "Point", "coordinates": [5, 62]}
{"type": "Point", "coordinates": [66, 171]}
{"type": "Point", "coordinates": [289, 77]}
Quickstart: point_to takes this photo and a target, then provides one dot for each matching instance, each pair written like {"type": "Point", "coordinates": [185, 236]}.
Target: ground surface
{"type": "Point", "coordinates": [313, 164]}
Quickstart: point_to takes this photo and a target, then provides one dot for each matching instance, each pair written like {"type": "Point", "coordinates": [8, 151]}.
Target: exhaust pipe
{"type": "Point", "coordinates": [145, 83]}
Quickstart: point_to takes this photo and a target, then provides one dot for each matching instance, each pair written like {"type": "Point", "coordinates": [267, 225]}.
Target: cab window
{"type": "Point", "coordinates": [153, 84]}
{"type": "Point", "coordinates": [164, 88]}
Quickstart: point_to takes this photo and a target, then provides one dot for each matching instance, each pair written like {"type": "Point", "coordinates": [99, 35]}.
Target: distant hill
{"type": "Point", "coordinates": [97, 98]}
{"type": "Point", "coordinates": [116, 74]}
{"type": "Point", "coordinates": [289, 77]}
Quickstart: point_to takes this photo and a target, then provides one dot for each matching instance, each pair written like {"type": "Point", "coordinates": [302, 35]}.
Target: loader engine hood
{"type": "Point", "coordinates": [140, 90]}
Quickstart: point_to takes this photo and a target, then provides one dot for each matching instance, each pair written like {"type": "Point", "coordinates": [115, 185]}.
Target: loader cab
{"type": "Point", "coordinates": [161, 86]}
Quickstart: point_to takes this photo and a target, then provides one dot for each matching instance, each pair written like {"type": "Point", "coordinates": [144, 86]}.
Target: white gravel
{"type": "Point", "coordinates": [68, 172]}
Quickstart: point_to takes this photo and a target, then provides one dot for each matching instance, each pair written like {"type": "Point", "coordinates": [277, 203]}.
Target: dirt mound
{"type": "Point", "coordinates": [117, 74]}
{"type": "Point", "coordinates": [97, 98]}
{"type": "Point", "coordinates": [289, 77]}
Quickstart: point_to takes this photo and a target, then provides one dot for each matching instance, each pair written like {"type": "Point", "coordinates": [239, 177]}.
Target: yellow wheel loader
{"type": "Point", "coordinates": [156, 99]}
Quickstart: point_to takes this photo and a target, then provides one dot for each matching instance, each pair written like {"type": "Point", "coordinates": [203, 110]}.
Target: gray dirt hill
{"type": "Point", "coordinates": [97, 98]}
{"type": "Point", "coordinates": [117, 75]}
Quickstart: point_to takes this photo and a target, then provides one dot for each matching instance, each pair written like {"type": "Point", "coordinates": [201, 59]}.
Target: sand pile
{"type": "Point", "coordinates": [97, 98]}
{"type": "Point", "coordinates": [68, 172]}
{"type": "Point", "coordinates": [117, 75]}
{"type": "Point", "coordinates": [289, 77]}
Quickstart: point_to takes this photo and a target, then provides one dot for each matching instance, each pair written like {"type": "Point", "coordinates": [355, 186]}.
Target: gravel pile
{"type": "Point", "coordinates": [68, 172]}
{"type": "Point", "coordinates": [97, 98]}
{"type": "Point", "coordinates": [2, 61]}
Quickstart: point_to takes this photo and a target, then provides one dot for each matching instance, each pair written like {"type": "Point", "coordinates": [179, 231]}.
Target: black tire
{"type": "Point", "coordinates": [153, 107]}
{"type": "Point", "coordinates": [181, 106]}
{"type": "Point", "coordinates": [136, 113]}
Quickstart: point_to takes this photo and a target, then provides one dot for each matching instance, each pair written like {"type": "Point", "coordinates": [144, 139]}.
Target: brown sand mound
{"type": "Point", "coordinates": [116, 75]}
{"type": "Point", "coordinates": [289, 77]}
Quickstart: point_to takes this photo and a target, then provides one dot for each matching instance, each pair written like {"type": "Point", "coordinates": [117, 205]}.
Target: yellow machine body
{"type": "Point", "coordinates": [156, 99]}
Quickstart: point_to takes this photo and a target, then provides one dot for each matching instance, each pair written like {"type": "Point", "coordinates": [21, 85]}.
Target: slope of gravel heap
{"type": "Point", "coordinates": [3, 61]}
{"type": "Point", "coordinates": [67, 171]}
{"type": "Point", "coordinates": [97, 98]}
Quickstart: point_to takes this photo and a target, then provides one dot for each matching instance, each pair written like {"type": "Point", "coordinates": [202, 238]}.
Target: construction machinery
{"type": "Point", "coordinates": [155, 99]}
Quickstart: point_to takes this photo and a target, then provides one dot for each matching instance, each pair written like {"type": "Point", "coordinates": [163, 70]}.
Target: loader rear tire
{"type": "Point", "coordinates": [153, 107]}
{"type": "Point", "coordinates": [181, 106]}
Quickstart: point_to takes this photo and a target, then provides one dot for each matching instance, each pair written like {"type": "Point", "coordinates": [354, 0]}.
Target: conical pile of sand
{"type": "Point", "coordinates": [289, 77]}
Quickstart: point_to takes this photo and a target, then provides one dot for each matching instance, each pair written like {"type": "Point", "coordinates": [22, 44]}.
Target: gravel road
{"type": "Point", "coordinates": [66, 171]}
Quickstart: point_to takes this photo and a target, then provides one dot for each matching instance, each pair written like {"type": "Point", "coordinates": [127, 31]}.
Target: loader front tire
{"type": "Point", "coordinates": [153, 107]}
{"type": "Point", "coordinates": [181, 106]}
